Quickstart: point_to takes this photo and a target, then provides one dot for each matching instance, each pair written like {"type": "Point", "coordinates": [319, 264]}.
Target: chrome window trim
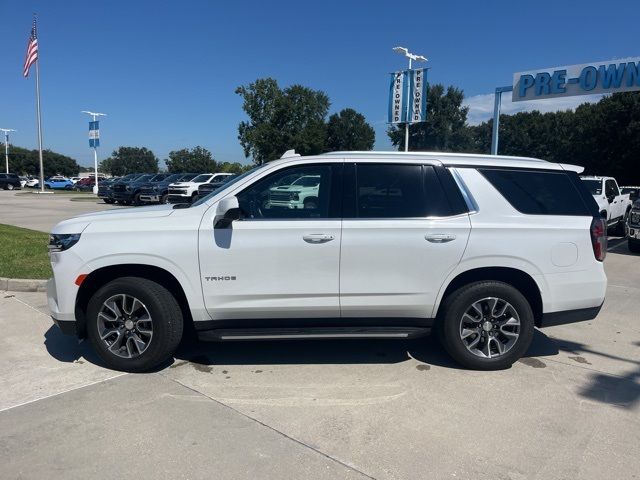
{"type": "Point", "coordinates": [466, 194]}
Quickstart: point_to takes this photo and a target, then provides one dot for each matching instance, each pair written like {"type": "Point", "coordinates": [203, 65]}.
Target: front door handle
{"type": "Point", "coordinates": [318, 238]}
{"type": "Point", "coordinates": [439, 237]}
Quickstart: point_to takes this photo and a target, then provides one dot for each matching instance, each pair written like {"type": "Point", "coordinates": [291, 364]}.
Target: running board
{"type": "Point", "coordinates": [311, 333]}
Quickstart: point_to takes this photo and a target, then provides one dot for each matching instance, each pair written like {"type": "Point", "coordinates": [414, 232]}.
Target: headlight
{"type": "Point", "coordinates": [62, 242]}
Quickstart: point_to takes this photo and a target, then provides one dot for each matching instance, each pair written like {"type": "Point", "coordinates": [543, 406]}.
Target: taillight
{"type": "Point", "coordinates": [599, 238]}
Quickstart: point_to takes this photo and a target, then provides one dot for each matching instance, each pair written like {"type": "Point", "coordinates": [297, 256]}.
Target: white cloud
{"type": "Point", "coordinates": [481, 106]}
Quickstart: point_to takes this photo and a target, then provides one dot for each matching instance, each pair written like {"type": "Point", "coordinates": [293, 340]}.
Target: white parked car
{"type": "Point", "coordinates": [187, 192]}
{"type": "Point", "coordinates": [32, 182]}
{"type": "Point", "coordinates": [481, 248]}
{"type": "Point", "coordinates": [613, 205]}
{"type": "Point", "coordinates": [75, 179]}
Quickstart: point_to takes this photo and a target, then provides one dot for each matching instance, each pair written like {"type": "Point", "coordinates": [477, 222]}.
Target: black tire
{"type": "Point", "coordinates": [136, 200]}
{"type": "Point", "coordinates": [166, 317]}
{"type": "Point", "coordinates": [195, 197]}
{"type": "Point", "coordinates": [108, 200]}
{"type": "Point", "coordinates": [311, 203]}
{"type": "Point", "coordinates": [634, 245]}
{"type": "Point", "coordinates": [460, 301]}
{"type": "Point", "coordinates": [164, 199]}
{"type": "Point", "coordinates": [620, 230]}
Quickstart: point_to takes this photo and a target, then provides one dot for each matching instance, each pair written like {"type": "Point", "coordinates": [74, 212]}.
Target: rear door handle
{"type": "Point", "coordinates": [439, 237]}
{"type": "Point", "coordinates": [318, 238]}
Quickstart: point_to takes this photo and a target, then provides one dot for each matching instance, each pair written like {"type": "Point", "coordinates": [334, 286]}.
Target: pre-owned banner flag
{"type": "Point", "coordinates": [418, 111]}
{"type": "Point", "coordinates": [94, 134]}
{"type": "Point", "coordinates": [398, 97]}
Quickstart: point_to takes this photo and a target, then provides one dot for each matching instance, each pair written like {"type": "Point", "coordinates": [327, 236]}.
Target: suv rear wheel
{"type": "Point", "coordinates": [486, 325]}
{"type": "Point", "coordinates": [134, 324]}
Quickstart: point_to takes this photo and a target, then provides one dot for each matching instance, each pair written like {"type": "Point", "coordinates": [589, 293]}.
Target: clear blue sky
{"type": "Point", "coordinates": [166, 71]}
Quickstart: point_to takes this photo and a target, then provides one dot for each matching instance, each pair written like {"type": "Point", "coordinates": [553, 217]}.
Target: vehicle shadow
{"type": "Point", "coordinates": [425, 349]}
{"type": "Point", "coordinates": [67, 348]}
{"type": "Point", "coordinates": [619, 246]}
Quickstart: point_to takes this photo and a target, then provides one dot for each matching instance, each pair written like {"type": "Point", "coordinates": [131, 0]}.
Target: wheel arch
{"type": "Point", "coordinates": [519, 279]}
{"type": "Point", "coordinates": [101, 276]}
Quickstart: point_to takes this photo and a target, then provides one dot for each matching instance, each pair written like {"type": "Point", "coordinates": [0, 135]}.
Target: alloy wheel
{"type": "Point", "coordinates": [490, 327]}
{"type": "Point", "coordinates": [125, 326]}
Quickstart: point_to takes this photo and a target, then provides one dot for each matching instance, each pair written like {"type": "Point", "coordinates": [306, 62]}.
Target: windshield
{"type": "Point", "coordinates": [144, 178]}
{"type": "Point", "coordinates": [159, 177]}
{"type": "Point", "coordinates": [202, 178]}
{"type": "Point", "coordinates": [187, 177]}
{"type": "Point", "coordinates": [228, 184]}
{"type": "Point", "coordinates": [594, 186]}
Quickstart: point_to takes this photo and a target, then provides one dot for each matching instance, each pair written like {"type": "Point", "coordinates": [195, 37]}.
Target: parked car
{"type": "Point", "coordinates": [57, 183]}
{"type": "Point", "coordinates": [480, 248]}
{"type": "Point", "coordinates": [613, 205]}
{"type": "Point", "coordinates": [76, 179]}
{"type": "Point", "coordinates": [633, 192]}
{"type": "Point", "coordinates": [187, 192]}
{"type": "Point", "coordinates": [23, 181]}
{"type": "Point", "coordinates": [127, 190]}
{"type": "Point", "coordinates": [105, 189]}
{"type": "Point", "coordinates": [32, 183]}
{"type": "Point", "coordinates": [9, 181]}
{"type": "Point", "coordinates": [207, 188]}
{"type": "Point", "coordinates": [633, 227]}
{"type": "Point", "coordinates": [301, 192]}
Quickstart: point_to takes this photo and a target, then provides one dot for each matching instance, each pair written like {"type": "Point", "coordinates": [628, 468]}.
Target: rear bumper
{"type": "Point", "coordinates": [569, 316]}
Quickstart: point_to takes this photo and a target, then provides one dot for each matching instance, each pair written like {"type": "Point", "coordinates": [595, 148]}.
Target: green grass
{"type": "Point", "coordinates": [23, 253]}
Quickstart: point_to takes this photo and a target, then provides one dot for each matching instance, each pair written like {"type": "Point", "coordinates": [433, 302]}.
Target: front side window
{"type": "Point", "coordinates": [611, 188]}
{"type": "Point", "coordinates": [301, 192]}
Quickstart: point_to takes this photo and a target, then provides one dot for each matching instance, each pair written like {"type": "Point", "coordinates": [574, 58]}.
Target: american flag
{"type": "Point", "coordinates": [32, 50]}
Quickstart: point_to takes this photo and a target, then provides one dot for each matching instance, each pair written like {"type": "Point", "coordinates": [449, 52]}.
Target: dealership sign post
{"type": "Point", "coordinates": [613, 76]}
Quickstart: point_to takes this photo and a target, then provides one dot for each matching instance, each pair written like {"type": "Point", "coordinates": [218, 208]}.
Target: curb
{"type": "Point", "coordinates": [22, 285]}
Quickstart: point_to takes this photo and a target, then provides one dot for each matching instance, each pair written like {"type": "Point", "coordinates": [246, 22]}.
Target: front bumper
{"type": "Point", "coordinates": [173, 198]}
{"type": "Point", "coordinates": [634, 231]}
{"type": "Point", "coordinates": [145, 197]}
{"type": "Point", "coordinates": [122, 196]}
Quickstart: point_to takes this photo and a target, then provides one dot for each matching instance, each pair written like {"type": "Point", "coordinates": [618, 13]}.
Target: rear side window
{"type": "Point", "coordinates": [538, 192]}
{"type": "Point", "coordinates": [375, 190]}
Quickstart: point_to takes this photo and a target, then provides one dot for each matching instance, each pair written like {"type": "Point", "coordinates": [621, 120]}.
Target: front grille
{"type": "Point", "coordinates": [119, 188]}
{"type": "Point", "coordinates": [177, 191]}
{"type": "Point", "coordinates": [147, 191]}
{"type": "Point", "coordinates": [280, 196]}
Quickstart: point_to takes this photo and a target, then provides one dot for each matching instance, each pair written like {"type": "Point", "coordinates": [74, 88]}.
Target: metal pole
{"type": "Point", "coordinates": [39, 124]}
{"type": "Point", "coordinates": [495, 134]}
{"type": "Point", "coordinates": [6, 150]}
{"type": "Point", "coordinates": [496, 122]}
{"type": "Point", "coordinates": [406, 125]}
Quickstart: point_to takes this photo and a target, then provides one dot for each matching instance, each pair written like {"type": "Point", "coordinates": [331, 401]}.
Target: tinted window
{"type": "Point", "coordinates": [287, 194]}
{"type": "Point", "coordinates": [594, 186]}
{"type": "Point", "coordinates": [611, 188]}
{"type": "Point", "coordinates": [397, 191]}
{"type": "Point", "coordinates": [538, 193]}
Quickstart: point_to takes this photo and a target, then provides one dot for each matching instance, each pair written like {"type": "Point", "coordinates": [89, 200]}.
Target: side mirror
{"type": "Point", "coordinates": [227, 211]}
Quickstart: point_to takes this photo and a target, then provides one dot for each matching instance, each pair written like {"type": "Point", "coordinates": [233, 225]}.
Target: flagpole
{"type": "Point", "coordinates": [39, 123]}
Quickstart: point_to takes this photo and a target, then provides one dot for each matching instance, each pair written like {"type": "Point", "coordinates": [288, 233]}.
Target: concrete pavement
{"type": "Point", "coordinates": [334, 409]}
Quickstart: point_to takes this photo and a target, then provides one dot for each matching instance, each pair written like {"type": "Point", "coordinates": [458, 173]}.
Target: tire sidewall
{"type": "Point", "coordinates": [461, 300]}
{"type": "Point", "coordinates": [162, 325]}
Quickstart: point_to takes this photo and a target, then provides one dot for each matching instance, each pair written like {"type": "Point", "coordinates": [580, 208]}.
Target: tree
{"type": "Point", "coordinates": [237, 168]}
{"type": "Point", "coordinates": [197, 159]}
{"type": "Point", "coordinates": [27, 162]}
{"type": "Point", "coordinates": [127, 160]}
{"type": "Point", "coordinates": [348, 130]}
{"type": "Point", "coordinates": [280, 120]}
{"type": "Point", "coordinates": [445, 128]}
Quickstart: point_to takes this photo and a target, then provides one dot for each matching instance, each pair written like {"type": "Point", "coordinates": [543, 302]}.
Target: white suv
{"type": "Point", "coordinates": [481, 248]}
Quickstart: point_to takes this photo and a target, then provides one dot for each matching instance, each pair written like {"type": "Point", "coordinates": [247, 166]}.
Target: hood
{"type": "Point", "coordinates": [287, 188]}
{"type": "Point", "coordinates": [79, 223]}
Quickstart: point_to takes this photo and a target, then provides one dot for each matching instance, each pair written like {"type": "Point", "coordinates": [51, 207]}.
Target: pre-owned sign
{"type": "Point", "coordinates": [602, 77]}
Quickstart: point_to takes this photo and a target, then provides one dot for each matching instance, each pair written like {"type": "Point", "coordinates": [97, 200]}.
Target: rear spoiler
{"type": "Point", "coordinates": [572, 168]}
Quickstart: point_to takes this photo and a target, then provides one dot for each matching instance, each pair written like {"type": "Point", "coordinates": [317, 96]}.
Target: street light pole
{"type": "Point", "coordinates": [418, 58]}
{"type": "Point", "coordinates": [95, 115]}
{"type": "Point", "coordinates": [6, 146]}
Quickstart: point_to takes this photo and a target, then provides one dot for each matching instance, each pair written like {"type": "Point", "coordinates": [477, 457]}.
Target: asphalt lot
{"type": "Point", "coordinates": [335, 409]}
{"type": "Point", "coordinates": [41, 212]}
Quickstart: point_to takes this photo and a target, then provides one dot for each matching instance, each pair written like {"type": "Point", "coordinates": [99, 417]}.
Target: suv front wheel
{"type": "Point", "coordinates": [486, 325]}
{"type": "Point", "coordinates": [134, 324]}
